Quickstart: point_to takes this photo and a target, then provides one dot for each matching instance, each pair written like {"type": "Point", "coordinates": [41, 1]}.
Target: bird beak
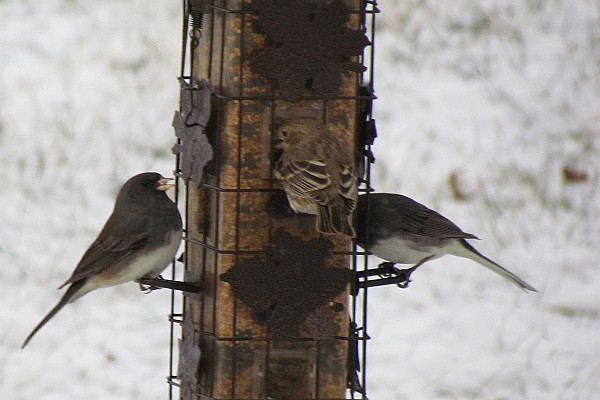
{"type": "Point", "coordinates": [163, 184]}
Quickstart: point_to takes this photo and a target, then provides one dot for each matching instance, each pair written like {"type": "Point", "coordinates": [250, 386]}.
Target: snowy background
{"type": "Point", "coordinates": [487, 113]}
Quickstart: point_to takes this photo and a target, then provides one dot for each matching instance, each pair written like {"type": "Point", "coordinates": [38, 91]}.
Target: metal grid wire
{"type": "Point", "coordinates": [206, 247]}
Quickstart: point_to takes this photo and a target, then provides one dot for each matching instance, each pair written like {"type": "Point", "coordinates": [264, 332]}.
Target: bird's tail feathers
{"type": "Point", "coordinates": [332, 219]}
{"type": "Point", "coordinates": [66, 298]}
{"type": "Point", "coordinates": [473, 254]}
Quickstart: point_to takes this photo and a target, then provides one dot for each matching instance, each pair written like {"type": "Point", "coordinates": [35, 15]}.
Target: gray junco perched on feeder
{"type": "Point", "coordinates": [139, 240]}
{"type": "Point", "coordinates": [317, 174]}
{"type": "Point", "coordinates": [401, 230]}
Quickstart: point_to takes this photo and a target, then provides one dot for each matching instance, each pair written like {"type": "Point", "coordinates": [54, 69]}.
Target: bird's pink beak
{"type": "Point", "coordinates": [163, 184]}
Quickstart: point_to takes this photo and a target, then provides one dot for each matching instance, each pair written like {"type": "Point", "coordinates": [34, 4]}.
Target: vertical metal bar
{"type": "Point", "coordinates": [223, 17]}
{"type": "Point", "coordinates": [184, 28]}
{"type": "Point", "coordinates": [368, 179]}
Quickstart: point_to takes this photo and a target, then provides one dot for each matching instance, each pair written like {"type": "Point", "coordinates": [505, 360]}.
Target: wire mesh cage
{"type": "Point", "coordinates": [281, 313]}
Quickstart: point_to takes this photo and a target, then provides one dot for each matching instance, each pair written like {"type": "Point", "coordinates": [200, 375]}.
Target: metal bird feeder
{"type": "Point", "coordinates": [279, 314]}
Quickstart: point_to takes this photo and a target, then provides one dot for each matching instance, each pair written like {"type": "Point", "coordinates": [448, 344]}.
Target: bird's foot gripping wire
{"type": "Point", "coordinates": [387, 274]}
{"type": "Point", "coordinates": [148, 285]}
{"type": "Point", "coordinates": [401, 277]}
{"type": "Point", "coordinates": [404, 275]}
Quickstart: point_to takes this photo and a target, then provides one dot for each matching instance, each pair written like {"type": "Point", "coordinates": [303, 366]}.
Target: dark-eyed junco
{"type": "Point", "coordinates": [139, 240]}
{"type": "Point", "coordinates": [401, 230]}
{"type": "Point", "coordinates": [317, 174]}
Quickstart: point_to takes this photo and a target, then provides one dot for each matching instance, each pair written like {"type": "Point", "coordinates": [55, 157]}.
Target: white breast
{"type": "Point", "coordinates": [149, 264]}
{"type": "Point", "coordinates": [398, 251]}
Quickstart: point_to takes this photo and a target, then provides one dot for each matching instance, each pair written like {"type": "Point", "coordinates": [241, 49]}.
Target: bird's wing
{"type": "Point", "coordinates": [413, 218]}
{"type": "Point", "coordinates": [307, 179]}
{"type": "Point", "coordinates": [120, 237]}
{"type": "Point", "coordinates": [347, 187]}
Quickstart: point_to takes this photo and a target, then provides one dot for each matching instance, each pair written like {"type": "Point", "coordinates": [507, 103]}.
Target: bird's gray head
{"type": "Point", "coordinates": [144, 187]}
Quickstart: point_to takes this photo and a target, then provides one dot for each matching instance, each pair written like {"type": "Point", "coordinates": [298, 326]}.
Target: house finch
{"type": "Point", "coordinates": [317, 174]}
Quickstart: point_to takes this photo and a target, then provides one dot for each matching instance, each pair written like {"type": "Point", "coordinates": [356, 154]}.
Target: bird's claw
{"type": "Point", "coordinates": [146, 287]}
{"type": "Point", "coordinates": [387, 269]}
{"type": "Point", "coordinates": [404, 284]}
{"type": "Point", "coordinates": [405, 274]}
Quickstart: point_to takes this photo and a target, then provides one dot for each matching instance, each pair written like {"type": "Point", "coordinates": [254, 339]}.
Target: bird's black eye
{"type": "Point", "coordinates": [284, 133]}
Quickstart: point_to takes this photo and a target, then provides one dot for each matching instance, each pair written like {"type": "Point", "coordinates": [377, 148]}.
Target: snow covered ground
{"type": "Point", "coordinates": [482, 108]}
